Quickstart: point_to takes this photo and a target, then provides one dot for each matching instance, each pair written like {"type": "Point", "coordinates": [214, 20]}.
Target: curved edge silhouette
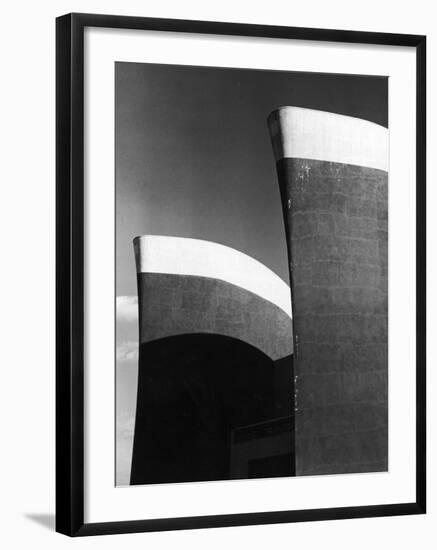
{"type": "Point", "coordinates": [193, 391]}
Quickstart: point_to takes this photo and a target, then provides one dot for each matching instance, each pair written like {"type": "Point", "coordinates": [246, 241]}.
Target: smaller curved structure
{"type": "Point", "coordinates": [189, 285]}
{"type": "Point", "coordinates": [215, 356]}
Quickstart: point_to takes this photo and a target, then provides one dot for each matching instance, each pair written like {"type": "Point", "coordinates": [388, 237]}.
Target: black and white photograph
{"type": "Point", "coordinates": [217, 265]}
{"type": "Point", "coordinates": [251, 246]}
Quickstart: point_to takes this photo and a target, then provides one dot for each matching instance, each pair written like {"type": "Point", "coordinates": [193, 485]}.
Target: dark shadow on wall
{"type": "Point", "coordinates": [194, 391]}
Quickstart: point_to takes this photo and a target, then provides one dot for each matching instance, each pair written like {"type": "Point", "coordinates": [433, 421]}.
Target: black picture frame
{"type": "Point", "coordinates": [70, 273]}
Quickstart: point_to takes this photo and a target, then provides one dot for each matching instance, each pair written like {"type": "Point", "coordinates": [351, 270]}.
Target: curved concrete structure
{"type": "Point", "coordinates": [319, 135]}
{"type": "Point", "coordinates": [199, 258]}
{"type": "Point", "coordinates": [333, 179]}
{"type": "Point", "coordinates": [192, 286]}
{"type": "Point", "coordinates": [215, 336]}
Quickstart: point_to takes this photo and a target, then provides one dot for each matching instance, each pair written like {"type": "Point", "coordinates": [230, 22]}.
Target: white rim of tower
{"type": "Point", "coordinates": [196, 257]}
{"type": "Point", "coordinates": [320, 135]}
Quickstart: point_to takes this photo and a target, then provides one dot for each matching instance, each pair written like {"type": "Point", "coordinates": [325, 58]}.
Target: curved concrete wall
{"type": "Point", "coordinates": [183, 256]}
{"type": "Point", "coordinates": [191, 286]}
{"type": "Point", "coordinates": [215, 355]}
{"type": "Point", "coordinates": [332, 172]}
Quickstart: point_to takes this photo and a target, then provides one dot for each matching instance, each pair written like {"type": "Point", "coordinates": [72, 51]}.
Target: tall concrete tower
{"type": "Point", "coordinates": [333, 177]}
{"type": "Point", "coordinates": [215, 382]}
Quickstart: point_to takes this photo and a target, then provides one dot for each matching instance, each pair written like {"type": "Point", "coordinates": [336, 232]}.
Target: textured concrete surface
{"type": "Point", "coordinates": [184, 304]}
{"type": "Point", "coordinates": [213, 358]}
{"type": "Point", "coordinates": [336, 223]}
{"type": "Point", "coordinates": [200, 258]}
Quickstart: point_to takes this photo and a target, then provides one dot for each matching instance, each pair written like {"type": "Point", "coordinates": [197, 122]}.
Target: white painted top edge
{"type": "Point", "coordinates": [319, 135]}
{"type": "Point", "coordinates": [184, 256]}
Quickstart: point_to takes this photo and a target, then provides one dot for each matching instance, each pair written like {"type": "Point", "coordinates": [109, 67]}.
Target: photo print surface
{"type": "Point", "coordinates": [251, 273]}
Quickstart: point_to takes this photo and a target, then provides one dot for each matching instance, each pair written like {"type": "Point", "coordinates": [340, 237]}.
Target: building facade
{"type": "Point", "coordinates": [333, 177]}
{"type": "Point", "coordinates": [215, 362]}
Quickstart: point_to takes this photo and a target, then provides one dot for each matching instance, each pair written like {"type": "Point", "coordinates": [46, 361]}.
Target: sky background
{"type": "Point", "coordinates": [194, 159]}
